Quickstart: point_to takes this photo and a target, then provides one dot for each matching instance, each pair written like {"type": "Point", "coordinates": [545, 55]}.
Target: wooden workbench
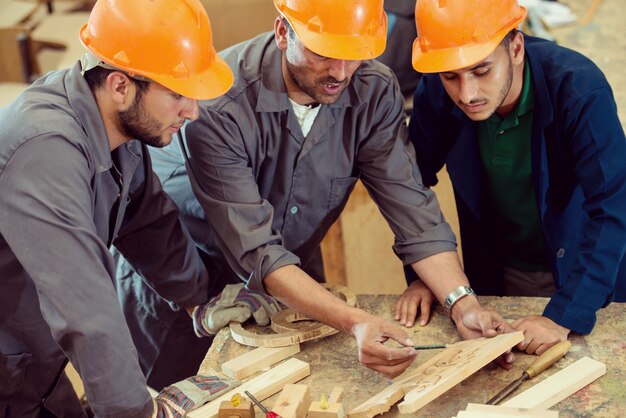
{"type": "Point", "coordinates": [334, 361]}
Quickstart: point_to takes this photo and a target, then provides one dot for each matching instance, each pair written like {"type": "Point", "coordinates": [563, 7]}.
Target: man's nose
{"type": "Point", "coordinates": [337, 69]}
{"type": "Point", "coordinates": [190, 109]}
{"type": "Point", "coordinates": [468, 89]}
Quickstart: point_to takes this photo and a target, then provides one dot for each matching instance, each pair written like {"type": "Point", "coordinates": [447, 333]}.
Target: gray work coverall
{"type": "Point", "coordinates": [264, 196]}
{"type": "Point", "coordinates": [64, 199]}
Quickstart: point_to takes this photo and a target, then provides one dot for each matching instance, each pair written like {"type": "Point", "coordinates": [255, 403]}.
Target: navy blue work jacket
{"type": "Point", "coordinates": [578, 173]}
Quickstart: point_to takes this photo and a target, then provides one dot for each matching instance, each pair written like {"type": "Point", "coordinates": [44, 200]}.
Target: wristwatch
{"type": "Point", "coordinates": [454, 296]}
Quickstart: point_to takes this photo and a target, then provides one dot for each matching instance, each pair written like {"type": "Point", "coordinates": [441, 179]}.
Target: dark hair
{"type": "Point", "coordinates": [508, 38]}
{"type": "Point", "coordinates": [98, 75]}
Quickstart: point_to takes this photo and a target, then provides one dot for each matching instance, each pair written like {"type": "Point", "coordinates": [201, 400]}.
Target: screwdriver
{"type": "Point", "coordinates": [542, 362]}
{"type": "Point", "coordinates": [268, 414]}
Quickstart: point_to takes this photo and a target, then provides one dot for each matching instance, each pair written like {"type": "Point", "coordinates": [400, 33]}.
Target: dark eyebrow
{"type": "Point", "coordinates": [474, 68]}
{"type": "Point", "coordinates": [480, 65]}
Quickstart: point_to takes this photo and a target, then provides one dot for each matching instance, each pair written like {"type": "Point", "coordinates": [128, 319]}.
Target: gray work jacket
{"type": "Point", "coordinates": [270, 194]}
{"type": "Point", "coordinates": [63, 202]}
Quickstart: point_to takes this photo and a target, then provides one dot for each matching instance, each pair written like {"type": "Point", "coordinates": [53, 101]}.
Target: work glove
{"type": "Point", "coordinates": [176, 400]}
{"type": "Point", "coordinates": [234, 303]}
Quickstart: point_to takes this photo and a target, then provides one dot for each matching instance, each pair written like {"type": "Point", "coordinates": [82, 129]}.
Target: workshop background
{"type": "Point", "coordinates": [37, 36]}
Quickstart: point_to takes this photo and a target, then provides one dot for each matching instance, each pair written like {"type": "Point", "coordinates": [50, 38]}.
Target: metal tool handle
{"type": "Point", "coordinates": [547, 359]}
{"type": "Point", "coordinates": [256, 402]}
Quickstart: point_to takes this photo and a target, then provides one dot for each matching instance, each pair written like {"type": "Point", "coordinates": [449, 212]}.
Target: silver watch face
{"type": "Point", "coordinates": [457, 294]}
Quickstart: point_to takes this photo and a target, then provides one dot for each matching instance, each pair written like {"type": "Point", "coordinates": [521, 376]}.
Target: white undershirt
{"type": "Point", "coordinates": [306, 115]}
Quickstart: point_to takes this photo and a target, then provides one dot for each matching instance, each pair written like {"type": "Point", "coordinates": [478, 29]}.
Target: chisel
{"type": "Point", "coordinates": [542, 362]}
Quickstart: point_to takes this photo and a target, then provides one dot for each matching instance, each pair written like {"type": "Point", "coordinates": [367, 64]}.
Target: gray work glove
{"type": "Point", "coordinates": [177, 399]}
{"type": "Point", "coordinates": [235, 303]}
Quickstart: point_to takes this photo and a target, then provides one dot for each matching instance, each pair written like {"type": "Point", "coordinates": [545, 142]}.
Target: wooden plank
{"type": "Point", "coordinates": [262, 387]}
{"type": "Point", "coordinates": [559, 386]}
{"type": "Point", "coordinates": [436, 376]}
{"type": "Point", "coordinates": [245, 409]}
{"type": "Point", "coordinates": [494, 411]}
{"type": "Point", "coordinates": [507, 413]}
{"type": "Point", "coordinates": [333, 408]}
{"type": "Point", "coordinates": [293, 401]}
{"type": "Point", "coordinates": [256, 360]}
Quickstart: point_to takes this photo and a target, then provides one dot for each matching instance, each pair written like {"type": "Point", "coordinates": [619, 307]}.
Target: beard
{"type": "Point", "coordinates": [312, 88]}
{"type": "Point", "coordinates": [506, 88]}
{"type": "Point", "coordinates": [137, 123]}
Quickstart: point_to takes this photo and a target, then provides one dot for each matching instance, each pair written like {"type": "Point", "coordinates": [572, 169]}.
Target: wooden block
{"type": "Point", "coordinates": [262, 387]}
{"type": "Point", "coordinates": [334, 407]}
{"type": "Point", "coordinates": [505, 414]}
{"type": "Point", "coordinates": [436, 376]}
{"type": "Point", "coordinates": [495, 411]}
{"type": "Point", "coordinates": [559, 386]}
{"type": "Point", "coordinates": [245, 409]}
{"type": "Point", "coordinates": [293, 401]}
{"type": "Point", "coordinates": [257, 360]}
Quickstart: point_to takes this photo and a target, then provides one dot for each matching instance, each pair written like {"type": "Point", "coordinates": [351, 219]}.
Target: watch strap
{"type": "Point", "coordinates": [457, 294]}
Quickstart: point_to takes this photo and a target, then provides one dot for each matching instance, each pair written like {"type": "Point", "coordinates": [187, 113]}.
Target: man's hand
{"type": "Point", "coordinates": [370, 334]}
{"type": "Point", "coordinates": [416, 298]}
{"type": "Point", "coordinates": [474, 321]}
{"type": "Point", "coordinates": [540, 333]}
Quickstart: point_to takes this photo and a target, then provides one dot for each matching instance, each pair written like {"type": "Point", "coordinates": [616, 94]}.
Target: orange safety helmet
{"type": "Point", "coordinates": [454, 34]}
{"type": "Point", "coordinates": [167, 41]}
{"type": "Point", "coordinates": [345, 29]}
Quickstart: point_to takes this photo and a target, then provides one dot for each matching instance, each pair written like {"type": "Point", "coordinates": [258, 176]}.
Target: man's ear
{"type": "Point", "coordinates": [280, 32]}
{"type": "Point", "coordinates": [119, 88]}
{"type": "Point", "coordinates": [516, 48]}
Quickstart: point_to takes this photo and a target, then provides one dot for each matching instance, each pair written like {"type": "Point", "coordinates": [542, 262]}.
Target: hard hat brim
{"type": "Point", "coordinates": [343, 47]}
{"type": "Point", "coordinates": [455, 58]}
{"type": "Point", "coordinates": [213, 82]}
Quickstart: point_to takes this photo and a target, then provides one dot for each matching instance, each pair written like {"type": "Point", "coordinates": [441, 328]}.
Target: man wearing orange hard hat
{"type": "Point", "coordinates": [271, 164]}
{"type": "Point", "coordinates": [75, 178]}
{"type": "Point", "coordinates": [530, 136]}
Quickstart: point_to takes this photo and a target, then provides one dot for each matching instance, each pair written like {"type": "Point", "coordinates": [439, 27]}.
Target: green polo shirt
{"type": "Point", "coordinates": [505, 152]}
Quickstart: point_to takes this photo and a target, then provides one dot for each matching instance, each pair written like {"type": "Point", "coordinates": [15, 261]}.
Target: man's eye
{"type": "Point", "coordinates": [177, 96]}
{"type": "Point", "coordinates": [481, 72]}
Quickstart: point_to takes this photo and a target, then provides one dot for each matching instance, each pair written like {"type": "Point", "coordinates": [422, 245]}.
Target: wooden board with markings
{"type": "Point", "coordinates": [334, 362]}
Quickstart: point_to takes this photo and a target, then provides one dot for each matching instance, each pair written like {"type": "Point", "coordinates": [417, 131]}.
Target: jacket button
{"type": "Point", "coordinates": [293, 210]}
{"type": "Point", "coordinates": [560, 253]}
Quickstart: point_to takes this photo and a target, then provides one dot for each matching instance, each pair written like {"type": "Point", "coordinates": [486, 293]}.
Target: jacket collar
{"type": "Point", "coordinates": [83, 102]}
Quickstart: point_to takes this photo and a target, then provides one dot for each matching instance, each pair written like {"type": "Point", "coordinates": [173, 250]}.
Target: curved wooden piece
{"type": "Point", "coordinates": [287, 321]}
{"type": "Point", "coordinates": [284, 324]}
{"type": "Point", "coordinates": [342, 292]}
{"type": "Point", "coordinates": [242, 336]}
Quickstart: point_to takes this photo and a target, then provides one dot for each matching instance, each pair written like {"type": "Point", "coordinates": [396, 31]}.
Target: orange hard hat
{"type": "Point", "coordinates": [346, 29]}
{"type": "Point", "coordinates": [454, 34]}
{"type": "Point", "coordinates": [167, 41]}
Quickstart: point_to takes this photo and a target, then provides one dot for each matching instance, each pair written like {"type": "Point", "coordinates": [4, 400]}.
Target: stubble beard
{"type": "Point", "coordinates": [138, 124]}
{"type": "Point", "coordinates": [310, 89]}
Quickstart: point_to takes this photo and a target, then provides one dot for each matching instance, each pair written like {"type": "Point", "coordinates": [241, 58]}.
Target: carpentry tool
{"type": "Point", "coordinates": [268, 413]}
{"type": "Point", "coordinates": [542, 362]}
{"type": "Point", "coordinates": [429, 347]}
